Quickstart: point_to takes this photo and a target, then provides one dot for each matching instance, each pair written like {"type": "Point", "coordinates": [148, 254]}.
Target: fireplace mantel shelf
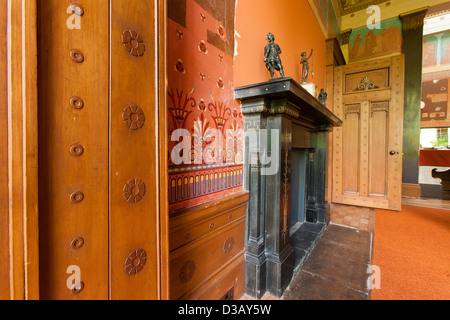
{"type": "Point", "coordinates": [306, 105]}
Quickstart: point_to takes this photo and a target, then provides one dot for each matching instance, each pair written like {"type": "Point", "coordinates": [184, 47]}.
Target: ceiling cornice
{"type": "Point", "coordinates": [358, 5]}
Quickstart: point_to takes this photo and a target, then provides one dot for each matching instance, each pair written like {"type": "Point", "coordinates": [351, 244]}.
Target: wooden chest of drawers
{"type": "Point", "coordinates": [207, 247]}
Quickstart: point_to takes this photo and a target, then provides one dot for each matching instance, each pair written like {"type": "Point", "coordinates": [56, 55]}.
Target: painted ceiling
{"type": "Point", "coordinates": [350, 6]}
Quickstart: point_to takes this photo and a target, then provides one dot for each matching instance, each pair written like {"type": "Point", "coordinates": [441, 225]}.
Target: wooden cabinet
{"type": "Point", "coordinates": [207, 247]}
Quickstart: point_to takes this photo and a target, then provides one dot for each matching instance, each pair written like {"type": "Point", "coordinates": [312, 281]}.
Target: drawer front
{"type": "Point", "coordinates": [231, 285]}
{"type": "Point", "coordinates": [194, 231]}
{"type": "Point", "coordinates": [195, 263]}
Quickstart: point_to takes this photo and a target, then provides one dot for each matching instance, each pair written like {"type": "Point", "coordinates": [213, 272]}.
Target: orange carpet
{"type": "Point", "coordinates": [412, 249]}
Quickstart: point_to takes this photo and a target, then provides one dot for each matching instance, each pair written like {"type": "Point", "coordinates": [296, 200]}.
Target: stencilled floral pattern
{"type": "Point", "coordinates": [201, 100]}
{"type": "Point", "coordinates": [179, 67]}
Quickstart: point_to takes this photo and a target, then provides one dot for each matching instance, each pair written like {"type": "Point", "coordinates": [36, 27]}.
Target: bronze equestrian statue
{"type": "Point", "coordinates": [272, 59]}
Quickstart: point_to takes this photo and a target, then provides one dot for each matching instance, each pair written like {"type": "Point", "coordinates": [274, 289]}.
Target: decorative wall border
{"type": "Point", "coordinates": [192, 187]}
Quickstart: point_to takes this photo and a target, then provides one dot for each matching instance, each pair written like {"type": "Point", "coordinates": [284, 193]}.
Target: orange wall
{"type": "Point", "coordinates": [296, 30]}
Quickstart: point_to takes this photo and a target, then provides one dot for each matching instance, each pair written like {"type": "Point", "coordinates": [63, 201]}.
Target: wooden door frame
{"type": "Point", "coordinates": [23, 231]}
{"type": "Point", "coordinates": [334, 59]}
{"type": "Point", "coordinates": [4, 194]}
{"type": "Point", "coordinates": [22, 227]}
{"type": "Point", "coordinates": [164, 293]}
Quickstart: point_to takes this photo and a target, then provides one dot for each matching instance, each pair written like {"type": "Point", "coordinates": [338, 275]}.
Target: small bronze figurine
{"type": "Point", "coordinates": [323, 96]}
{"type": "Point", "coordinates": [305, 64]}
{"type": "Point", "coordinates": [272, 59]}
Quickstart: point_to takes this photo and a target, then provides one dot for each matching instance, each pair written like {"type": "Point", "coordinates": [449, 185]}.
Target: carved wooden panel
{"type": "Point", "coordinates": [378, 140]}
{"type": "Point", "coordinates": [99, 148]}
{"type": "Point", "coordinates": [73, 148]}
{"type": "Point", "coordinates": [351, 155]}
{"type": "Point", "coordinates": [134, 203]}
{"type": "Point", "coordinates": [367, 80]}
{"type": "Point", "coordinates": [352, 108]}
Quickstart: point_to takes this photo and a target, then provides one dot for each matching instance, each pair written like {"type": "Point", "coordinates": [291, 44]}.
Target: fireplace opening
{"type": "Point", "coordinates": [299, 160]}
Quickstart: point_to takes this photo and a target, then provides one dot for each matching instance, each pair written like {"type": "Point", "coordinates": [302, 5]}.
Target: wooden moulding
{"type": "Point", "coordinates": [211, 208]}
{"type": "Point", "coordinates": [19, 203]}
{"type": "Point", "coordinates": [4, 196]}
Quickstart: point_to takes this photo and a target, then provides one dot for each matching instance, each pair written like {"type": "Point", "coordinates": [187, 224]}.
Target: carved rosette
{"type": "Point", "coordinates": [76, 8]}
{"type": "Point", "coordinates": [228, 245]}
{"type": "Point", "coordinates": [77, 56]}
{"type": "Point", "coordinates": [76, 103]}
{"type": "Point", "coordinates": [133, 43]}
{"type": "Point", "coordinates": [77, 243]}
{"type": "Point", "coordinates": [76, 150]}
{"type": "Point", "coordinates": [134, 190]}
{"type": "Point", "coordinates": [77, 197]}
{"type": "Point", "coordinates": [187, 271]}
{"type": "Point", "coordinates": [135, 262]}
{"type": "Point", "coordinates": [77, 288]}
{"type": "Point", "coordinates": [133, 117]}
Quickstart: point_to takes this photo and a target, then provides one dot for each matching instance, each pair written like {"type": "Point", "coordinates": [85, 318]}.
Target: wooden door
{"type": "Point", "coordinates": [367, 149]}
{"type": "Point", "coordinates": [100, 109]}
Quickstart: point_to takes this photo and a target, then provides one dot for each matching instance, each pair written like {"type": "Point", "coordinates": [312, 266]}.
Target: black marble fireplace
{"type": "Point", "coordinates": [283, 123]}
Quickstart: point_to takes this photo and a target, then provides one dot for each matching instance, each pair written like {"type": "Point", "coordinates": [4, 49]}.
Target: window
{"type": "Point", "coordinates": [436, 138]}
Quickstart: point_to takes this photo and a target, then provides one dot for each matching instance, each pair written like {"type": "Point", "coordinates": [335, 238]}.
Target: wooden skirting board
{"type": "Point", "coordinates": [411, 190]}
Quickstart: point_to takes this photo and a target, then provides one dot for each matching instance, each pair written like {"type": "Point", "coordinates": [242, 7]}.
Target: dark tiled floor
{"type": "Point", "coordinates": [303, 240]}
{"type": "Point", "coordinates": [336, 269]}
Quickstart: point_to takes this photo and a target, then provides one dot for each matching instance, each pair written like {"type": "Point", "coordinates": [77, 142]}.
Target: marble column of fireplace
{"type": "Point", "coordinates": [279, 115]}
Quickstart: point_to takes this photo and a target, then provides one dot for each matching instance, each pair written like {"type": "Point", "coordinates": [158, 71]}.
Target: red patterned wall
{"type": "Point", "coordinates": [201, 99]}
